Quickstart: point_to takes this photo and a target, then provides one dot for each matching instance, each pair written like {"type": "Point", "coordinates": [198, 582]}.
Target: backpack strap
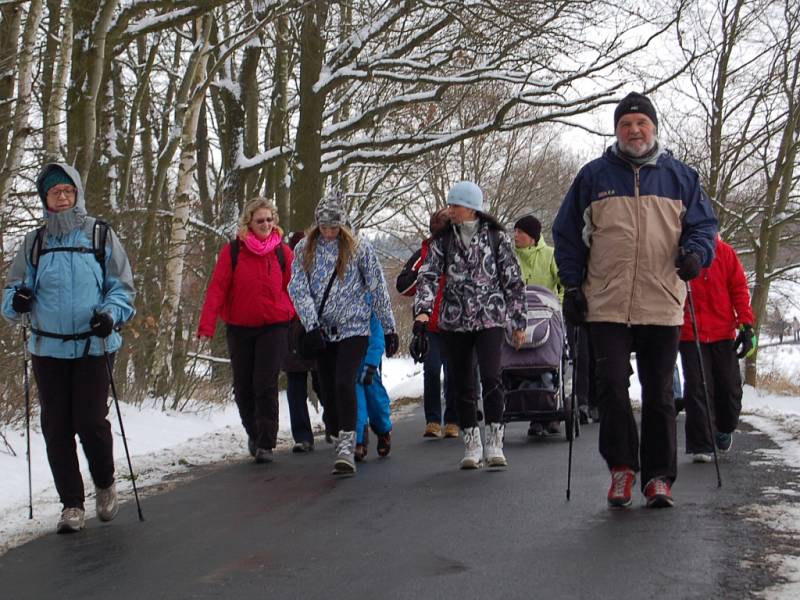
{"type": "Point", "coordinates": [281, 257]}
{"type": "Point", "coordinates": [234, 253]}
{"type": "Point", "coordinates": [99, 239]}
{"type": "Point", "coordinates": [36, 247]}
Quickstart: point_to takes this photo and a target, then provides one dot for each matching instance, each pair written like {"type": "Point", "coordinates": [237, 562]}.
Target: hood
{"type": "Point", "coordinates": [65, 221]}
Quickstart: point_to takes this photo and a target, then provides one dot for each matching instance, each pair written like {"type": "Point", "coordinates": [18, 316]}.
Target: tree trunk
{"type": "Point", "coordinates": [307, 181]}
{"type": "Point", "coordinates": [277, 187]}
{"type": "Point", "coordinates": [168, 321]}
{"type": "Point", "coordinates": [57, 90]}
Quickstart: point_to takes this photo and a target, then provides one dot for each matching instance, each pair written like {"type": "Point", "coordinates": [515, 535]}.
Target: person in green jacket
{"type": "Point", "coordinates": [538, 264]}
{"type": "Point", "coordinates": [535, 257]}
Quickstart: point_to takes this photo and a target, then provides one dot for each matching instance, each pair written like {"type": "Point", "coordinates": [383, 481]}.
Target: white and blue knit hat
{"type": "Point", "coordinates": [467, 194]}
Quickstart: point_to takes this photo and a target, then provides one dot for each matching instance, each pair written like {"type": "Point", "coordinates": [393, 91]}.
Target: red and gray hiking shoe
{"type": "Point", "coordinates": [657, 493]}
{"type": "Point", "coordinates": [621, 490]}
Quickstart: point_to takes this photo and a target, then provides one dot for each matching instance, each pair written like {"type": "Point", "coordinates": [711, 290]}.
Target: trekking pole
{"type": "Point", "coordinates": [703, 378]}
{"type": "Point", "coordinates": [26, 387]}
{"type": "Point", "coordinates": [572, 402]}
{"type": "Point", "coordinates": [109, 368]}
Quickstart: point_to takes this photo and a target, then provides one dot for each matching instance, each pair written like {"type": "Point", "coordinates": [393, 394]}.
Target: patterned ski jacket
{"type": "Point", "coordinates": [482, 288]}
{"type": "Point", "coordinates": [721, 299]}
{"type": "Point", "coordinates": [68, 287]}
{"type": "Point", "coordinates": [618, 234]}
{"type": "Point", "coordinates": [347, 309]}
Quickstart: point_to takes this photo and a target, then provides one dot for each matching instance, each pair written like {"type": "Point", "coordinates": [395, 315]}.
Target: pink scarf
{"type": "Point", "coordinates": [262, 247]}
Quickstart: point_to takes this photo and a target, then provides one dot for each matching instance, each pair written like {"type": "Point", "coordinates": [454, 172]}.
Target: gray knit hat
{"type": "Point", "coordinates": [330, 210]}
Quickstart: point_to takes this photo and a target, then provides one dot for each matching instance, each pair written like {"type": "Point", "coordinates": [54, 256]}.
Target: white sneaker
{"type": "Point", "coordinates": [702, 457]}
{"type": "Point", "coordinates": [494, 445]}
{"type": "Point", "coordinates": [106, 502]}
{"type": "Point", "coordinates": [71, 520]}
{"type": "Point", "coordinates": [345, 463]}
{"type": "Point", "coordinates": [473, 449]}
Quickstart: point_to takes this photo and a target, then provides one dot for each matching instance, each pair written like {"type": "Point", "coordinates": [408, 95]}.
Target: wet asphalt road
{"type": "Point", "coordinates": [414, 526]}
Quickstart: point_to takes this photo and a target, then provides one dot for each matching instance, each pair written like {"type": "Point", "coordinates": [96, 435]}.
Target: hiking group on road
{"type": "Point", "coordinates": [636, 260]}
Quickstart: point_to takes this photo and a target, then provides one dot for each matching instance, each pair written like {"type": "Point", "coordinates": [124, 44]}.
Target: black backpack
{"type": "Point", "coordinates": [235, 244]}
{"type": "Point", "coordinates": [99, 238]}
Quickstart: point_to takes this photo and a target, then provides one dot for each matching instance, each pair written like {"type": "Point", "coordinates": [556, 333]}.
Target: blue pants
{"type": "Point", "coordinates": [677, 392]}
{"type": "Point", "coordinates": [373, 407]}
{"type": "Point", "coordinates": [297, 398]}
{"type": "Point", "coordinates": [432, 384]}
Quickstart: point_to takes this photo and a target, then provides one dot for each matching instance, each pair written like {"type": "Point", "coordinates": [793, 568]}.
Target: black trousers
{"type": "Point", "coordinates": [73, 394]}
{"type": "Point", "coordinates": [724, 384]}
{"type": "Point", "coordinates": [460, 348]}
{"type": "Point", "coordinates": [257, 354]}
{"type": "Point", "coordinates": [656, 350]}
{"type": "Point", "coordinates": [337, 368]}
{"type": "Point", "coordinates": [585, 383]}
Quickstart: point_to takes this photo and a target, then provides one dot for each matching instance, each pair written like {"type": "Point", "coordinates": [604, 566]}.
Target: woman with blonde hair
{"type": "Point", "coordinates": [335, 266]}
{"type": "Point", "coordinates": [248, 292]}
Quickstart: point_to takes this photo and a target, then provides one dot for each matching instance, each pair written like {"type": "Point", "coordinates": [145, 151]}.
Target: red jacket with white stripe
{"type": "Point", "coordinates": [252, 295]}
{"type": "Point", "coordinates": [721, 299]}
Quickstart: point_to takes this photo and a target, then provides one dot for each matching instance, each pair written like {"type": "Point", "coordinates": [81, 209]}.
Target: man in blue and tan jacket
{"type": "Point", "coordinates": [634, 226]}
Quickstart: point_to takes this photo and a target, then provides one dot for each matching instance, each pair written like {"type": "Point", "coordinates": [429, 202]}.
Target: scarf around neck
{"type": "Point", "coordinates": [262, 247]}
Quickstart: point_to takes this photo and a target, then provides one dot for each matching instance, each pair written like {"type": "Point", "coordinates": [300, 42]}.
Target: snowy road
{"type": "Point", "coordinates": [413, 526]}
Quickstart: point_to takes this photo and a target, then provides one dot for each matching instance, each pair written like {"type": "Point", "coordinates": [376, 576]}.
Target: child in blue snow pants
{"type": "Point", "coordinates": [372, 399]}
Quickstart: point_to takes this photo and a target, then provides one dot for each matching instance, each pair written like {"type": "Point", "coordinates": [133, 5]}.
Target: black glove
{"type": "Point", "coordinates": [392, 344]}
{"type": "Point", "coordinates": [22, 301]}
{"type": "Point", "coordinates": [688, 264]}
{"type": "Point", "coordinates": [418, 349]}
{"type": "Point", "coordinates": [312, 343]}
{"type": "Point", "coordinates": [747, 340]}
{"type": "Point", "coordinates": [367, 374]}
{"type": "Point", "coordinates": [101, 324]}
{"type": "Point", "coordinates": [575, 307]}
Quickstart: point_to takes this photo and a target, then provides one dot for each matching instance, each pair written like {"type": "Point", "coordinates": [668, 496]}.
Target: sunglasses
{"type": "Point", "coordinates": [263, 220]}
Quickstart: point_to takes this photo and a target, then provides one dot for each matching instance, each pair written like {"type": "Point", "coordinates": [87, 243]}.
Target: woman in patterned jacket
{"type": "Point", "coordinates": [330, 255]}
{"type": "Point", "coordinates": [483, 290]}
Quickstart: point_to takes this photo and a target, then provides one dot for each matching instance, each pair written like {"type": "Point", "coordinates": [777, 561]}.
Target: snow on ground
{"type": "Point", "coordinates": [168, 443]}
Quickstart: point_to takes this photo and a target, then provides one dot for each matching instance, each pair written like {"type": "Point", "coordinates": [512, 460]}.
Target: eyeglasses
{"type": "Point", "coordinates": [263, 220]}
{"type": "Point", "coordinates": [67, 192]}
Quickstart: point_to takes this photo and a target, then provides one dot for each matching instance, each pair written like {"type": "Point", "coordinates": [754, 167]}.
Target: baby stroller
{"type": "Point", "coordinates": [532, 376]}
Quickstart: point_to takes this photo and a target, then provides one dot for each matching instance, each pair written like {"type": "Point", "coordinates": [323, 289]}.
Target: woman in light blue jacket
{"type": "Point", "coordinates": [72, 282]}
{"type": "Point", "coordinates": [331, 256]}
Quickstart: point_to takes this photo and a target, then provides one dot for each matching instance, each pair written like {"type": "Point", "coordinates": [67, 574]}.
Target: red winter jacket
{"type": "Point", "coordinates": [252, 295]}
{"type": "Point", "coordinates": [721, 299]}
{"type": "Point", "coordinates": [407, 283]}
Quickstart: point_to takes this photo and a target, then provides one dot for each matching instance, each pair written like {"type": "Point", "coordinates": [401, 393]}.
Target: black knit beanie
{"type": "Point", "coordinates": [530, 225]}
{"type": "Point", "coordinates": [635, 103]}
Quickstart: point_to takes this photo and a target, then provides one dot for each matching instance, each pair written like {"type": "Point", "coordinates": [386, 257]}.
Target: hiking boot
{"type": "Point", "coordinates": [361, 452]}
{"type": "Point", "coordinates": [583, 414]}
{"type": "Point", "coordinates": [263, 455]}
{"type": "Point", "coordinates": [473, 449]}
{"type": "Point", "coordinates": [594, 414]}
{"type": "Point", "coordinates": [71, 520]}
{"type": "Point", "coordinates": [494, 445]}
{"type": "Point", "coordinates": [536, 430]}
{"type": "Point", "coordinates": [702, 457]}
{"type": "Point", "coordinates": [251, 446]}
{"type": "Point", "coordinates": [384, 444]}
{"type": "Point", "coordinates": [432, 430]}
{"type": "Point", "coordinates": [451, 430]}
{"type": "Point", "coordinates": [345, 463]}
{"type": "Point", "coordinates": [621, 490]}
{"type": "Point", "coordinates": [723, 441]}
{"type": "Point", "coordinates": [302, 447]}
{"type": "Point", "coordinates": [106, 502]}
{"type": "Point", "coordinates": [553, 427]}
{"type": "Point", "coordinates": [657, 493]}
